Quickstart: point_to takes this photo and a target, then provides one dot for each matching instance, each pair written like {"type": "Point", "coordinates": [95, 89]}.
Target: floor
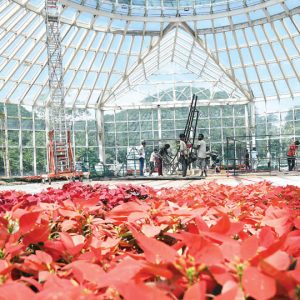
{"type": "Point", "coordinates": [279, 179]}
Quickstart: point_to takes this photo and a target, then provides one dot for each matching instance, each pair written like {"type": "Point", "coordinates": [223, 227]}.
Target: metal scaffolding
{"type": "Point", "coordinates": [60, 151]}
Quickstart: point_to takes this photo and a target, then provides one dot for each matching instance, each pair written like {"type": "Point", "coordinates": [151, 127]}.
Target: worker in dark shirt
{"type": "Point", "coordinates": [161, 154]}
{"type": "Point", "coordinates": [247, 160]}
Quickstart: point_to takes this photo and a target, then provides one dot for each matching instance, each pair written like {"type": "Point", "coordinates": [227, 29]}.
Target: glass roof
{"type": "Point", "coordinates": [167, 8]}
{"type": "Point", "coordinates": [235, 13]}
{"type": "Point", "coordinates": [250, 52]}
{"type": "Point", "coordinates": [180, 47]}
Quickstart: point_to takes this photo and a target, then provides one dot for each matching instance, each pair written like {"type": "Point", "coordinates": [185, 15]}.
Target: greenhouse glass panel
{"type": "Point", "coordinates": [40, 138]}
{"type": "Point", "coordinates": [145, 125]}
{"type": "Point", "coordinates": [167, 124]}
{"type": "Point", "coordinates": [121, 126]}
{"type": "Point", "coordinates": [215, 135]}
{"type": "Point", "coordinates": [2, 170]}
{"type": "Point", "coordinates": [92, 138]}
{"type": "Point", "coordinates": [28, 161]}
{"type": "Point", "coordinates": [122, 139]}
{"type": "Point", "coordinates": [134, 139]}
{"type": "Point", "coordinates": [133, 126]}
{"type": "Point", "coordinates": [13, 123]}
{"type": "Point", "coordinates": [214, 112]}
{"type": "Point", "coordinates": [213, 123]}
{"type": "Point", "coordinates": [14, 161]}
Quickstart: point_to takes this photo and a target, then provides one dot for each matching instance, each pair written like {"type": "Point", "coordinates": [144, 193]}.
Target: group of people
{"type": "Point", "coordinates": [250, 160]}
{"type": "Point", "coordinates": [185, 156]}
{"type": "Point", "coordinates": [254, 160]}
{"type": "Point", "coordinates": [203, 156]}
{"type": "Point", "coordinates": [156, 158]}
{"type": "Point", "coordinates": [252, 157]}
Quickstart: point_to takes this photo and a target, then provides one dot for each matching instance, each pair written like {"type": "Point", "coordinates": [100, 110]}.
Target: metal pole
{"type": "Point", "coordinates": [227, 153]}
{"type": "Point", "coordinates": [6, 158]}
{"type": "Point", "coordinates": [134, 163]}
{"type": "Point", "coordinates": [234, 156]}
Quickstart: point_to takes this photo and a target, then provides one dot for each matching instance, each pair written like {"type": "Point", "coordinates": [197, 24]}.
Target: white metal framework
{"type": "Point", "coordinates": [57, 104]}
{"type": "Point", "coordinates": [149, 55]}
{"type": "Point", "coordinates": [256, 43]}
{"type": "Point", "coordinates": [178, 43]}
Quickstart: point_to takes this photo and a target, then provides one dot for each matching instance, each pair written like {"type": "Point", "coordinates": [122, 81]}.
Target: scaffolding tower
{"type": "Point", "coordinates": [59, 149]}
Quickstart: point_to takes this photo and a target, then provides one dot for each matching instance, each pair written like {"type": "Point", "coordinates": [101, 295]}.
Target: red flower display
{"type": "Point", "coordinates": [201, 242]}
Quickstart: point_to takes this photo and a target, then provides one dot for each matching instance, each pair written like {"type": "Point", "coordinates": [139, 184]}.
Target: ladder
{"type": "Point", "coordinates": [189, 132]}
{"type": "Point", "coordinates": [60, 150]}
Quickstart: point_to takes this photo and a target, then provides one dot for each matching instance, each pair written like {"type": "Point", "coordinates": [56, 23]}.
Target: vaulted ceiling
{"type": "Point", "coordinates": [248, 49]}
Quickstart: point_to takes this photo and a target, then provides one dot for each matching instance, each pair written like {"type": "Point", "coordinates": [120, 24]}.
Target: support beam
{"type": "Point", "coordinates": [21, 132]}
{"type": "Point", "coordinates": [6, 156]}
{"type": "Point", "coordinates": [211, 56]}
{"type": "Point", "coordinates": [47, 129]}
{"type": "Point", "coordinates": [172, 19]}
{"type": "Point", "coordinates": [141, 61]}
{"type": "Point", "coordinates": [159, 121]}
{"type": "Point", "coordinates": [34, 142]}
{"type": "Point", "coordinates": [195, 18]}
{"type": "Point", "coordinates": [176, 41]}
{"type": "Point", "coordinates": [100, 135]}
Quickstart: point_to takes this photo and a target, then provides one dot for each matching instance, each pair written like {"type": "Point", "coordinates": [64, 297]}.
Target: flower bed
{"type": "Point", "coordinates": [201, 242]}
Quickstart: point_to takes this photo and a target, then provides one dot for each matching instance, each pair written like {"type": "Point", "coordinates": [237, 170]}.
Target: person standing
{"type": "Point", "coordinates": [142, 157]}
{"type": "Point", "coordinates": [201, 154]}
{"type": "Point", "coordinates": [215, 161]}
{"type": "Point", "coordinates": [291, 155]}
{"type": "Point", "coordinates": [153, 159]}
{"type": "Point", "coordinates": [208, 158]}
{"type": "Point", "coordinates": [254, 159]}
{"type": "Point", "coordinates": [247, 160]}
{"type": "Point", "coordinates": [183, 154]}
{"type": "Point", "coordinates": [269, 157]}
{"type": "Point", "coordinates": [162, 152]}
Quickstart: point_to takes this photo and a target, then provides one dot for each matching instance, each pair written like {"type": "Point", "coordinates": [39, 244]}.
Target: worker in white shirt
{"type": "Point", "coordinates": [183, 154]}
{"type": "Point", "coordinates": [254, 159]}
{"type": "Point", "coordinates": [201, 154]}
{"type": "Point", "coordinates": [152, 161]}
{"type": "Point", "coordinates": [142, 157]}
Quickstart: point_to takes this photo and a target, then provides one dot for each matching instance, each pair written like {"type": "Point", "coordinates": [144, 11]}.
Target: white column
{"type": "Point", "coordinates": [33, 141]}
{"type": "Point", "coordinates": [20, 142]}
{"type": "Point", "coordinates": [251, 117]}
{"type": "Point", "coordinates": [140, 129]}
{"type": "Point", "coordinates": [100, 135]}
{"type": "Point", "coordinates": [159, 121]}
{"type": "Point", "coordinates": [116, 141]}
{"type": "Point", "coordinates": [71, 126]}
{"type": "Point", "coordinates": [47, 128]}
{"type": "Point", "coordinates": [222, 134]}
{"type": "Point", "coordinates": [6, 157]}
{"type": "Point", "coordinates": [247, 123]}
